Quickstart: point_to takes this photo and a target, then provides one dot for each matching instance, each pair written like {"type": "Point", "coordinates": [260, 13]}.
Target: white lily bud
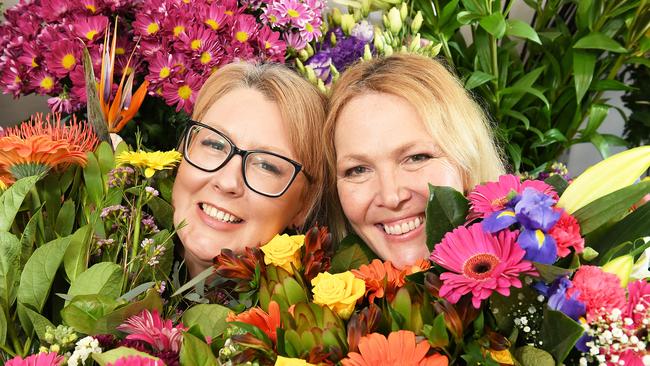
{"type": "Point", "coordinates": [394, 20]}
{"type": "Point", "coordinates": [365, 8]}
{"type": "Point", "coordinates": [435, 50]}
{"type": "Point", "coordinates": [310, 50]}
{"type": "Point", "coordinates": [403, 11]}
{"type": "Point", "coordinates": [303, 55]}
{"type": "Point", "coordinates": [416, 24]}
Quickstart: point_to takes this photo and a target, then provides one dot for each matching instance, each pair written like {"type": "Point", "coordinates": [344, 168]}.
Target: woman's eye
{"type": "Point", "coordinates": [214, 144]}
{"type": "Point", "coordinates": [419, 158]}
{"type": "Point", "coordinates": [269, 167]}
{"type": "Point", "coordinates": [355, 171]}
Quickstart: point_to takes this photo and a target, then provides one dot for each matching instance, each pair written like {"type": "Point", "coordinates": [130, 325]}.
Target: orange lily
{"type": "Point", "coordinates": [125, 104]}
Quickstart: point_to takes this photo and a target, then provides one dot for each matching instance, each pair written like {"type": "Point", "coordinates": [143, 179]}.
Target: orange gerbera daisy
{"type": "Point", "coordinates": [38, 145]}
{"type": "Point", "coordinates": [384, 279]}
{"type": "Point", "coordinates": [400, 349]}
{"type": "Point", "coordinates": [267, 322]}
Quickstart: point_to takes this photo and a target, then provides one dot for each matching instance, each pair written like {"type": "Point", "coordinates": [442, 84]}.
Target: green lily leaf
{"type": "Point", "coordinates": [521, 29]}
{"type": "Point", "coordinates": [599, 41]}
{"type": "Point", "coordinates": [495, 24]}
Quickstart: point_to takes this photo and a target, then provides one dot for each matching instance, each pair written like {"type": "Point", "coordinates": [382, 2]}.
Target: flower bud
{"type": "Point", "coordinates": [621, 267]}
{"type": "Point", "coordinates": [333, 39]}
{"type": "Point", "coordinates": [415, 43]}
{"type": "Point", "coordinates": [311, 74]}
{"type": "Point", "coordinates": [379, 42]}
{"type": "Point", "coordinates": [367, 55]}
{"type": "Point", "coordinates": [55, 348]}
{"type": "Point", "coordinates": [335, 73]}
{"type": "Point", "coordinates": [347, 22]}
{"type": "Point", "coordinates": [321, 86]}
{"type": "Point", "coordinates": [403, 12]}
{"type": "Point", "coordinates": [336, 16]}
{"type": "Point", "coordinates": [310, 50]}
{"type": "Point", "coordinates": [303, 55]}
{"type": "Point", "coordinates": [394, 20]}
{"type": "Point", "coordinates": [435, 50]}
{"type": "Point", "coordinates": [365, 8]}
{"type": "Point", "coordinates": [388, 50]}
{"type": "Point", "coordinates": [416, 24]}
{"type": "Point", "coordinates": [300, 66]}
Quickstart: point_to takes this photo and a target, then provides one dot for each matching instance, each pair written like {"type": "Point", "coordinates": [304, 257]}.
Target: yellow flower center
{"type": "Point", "coordinates": [228, 12]}
{"type": "Point", "coordinates": [91, 7]}
{"type": "Point", "coordinates": [178, 30]}
{"type": "Point", "coordinates": [267, 45]}
{"type": "Point", "coordinates": [17, 79]}
{"type": "Point", "coordinates": [273, 19]}
{"type": "Point", "coordinates": [187, 1]}
{"type": "Point", "coordinates": [91, 34]}
{"type": "Point", "coordinates": [68, 61]}
{"type": "Point", "coordinates": [152, 28]}
{"type": "Point", "coordinates": [47, 83]}
{"type": "Point", "coordinates": [164, 72]}
{"type": "Point", "coordinates": [184, 92]}
{"type": "Point", "coordinates": [195, 44]}
{"type": "Point", "coordinates": [212, 23]}
{"type": "Point", "coordinates": [205, 57]}
{"type": "Point", "coordinates": [159, 91]}
{"type": "Point", "coordinates": [241, 36]}
{"type": "Point", "coordinates": [309, 28]}
{"type": "Point", "coordinates": [34, 64]}
{"type": "Point", "coordinates": [120, 50]}
{"type": "Point", "coordinates": [293, 13]}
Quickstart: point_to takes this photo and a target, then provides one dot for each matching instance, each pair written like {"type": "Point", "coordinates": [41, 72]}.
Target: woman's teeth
{"type": "Point", "coordinates": [404, 227]}
{"type": "Point", "coordinates": [218, 214]}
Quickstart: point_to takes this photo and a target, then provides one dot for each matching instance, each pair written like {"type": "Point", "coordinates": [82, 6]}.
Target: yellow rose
{"type": "Point", "coordinates": [285, 361]}
{"type": "Point", "coordinates": [283, 251]}
{"type": "Point", "coordinates": [339, 292]}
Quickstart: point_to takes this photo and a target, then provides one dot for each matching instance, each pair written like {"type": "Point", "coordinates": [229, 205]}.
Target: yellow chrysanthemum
{"type": "Point", "coordinates": [149, 161]}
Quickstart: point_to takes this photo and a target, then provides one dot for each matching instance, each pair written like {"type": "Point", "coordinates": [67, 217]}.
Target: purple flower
{"type": "Point", "coordinates": [363, 31]}
{"type": "Point", "coordinates": [539, 246]}
{"type": "Point", "coordinates": [321, 62]}
{"type": "Point", "coordinates": [499, 220]}
{"type": "Point", "coordinates": [534, 210]}
{"type": "Point", "coordinates": [558, 300]}
{"type": "Point", "coordinates": [115, 211]}
{"type": "Point", "coordinates": [346, 52]}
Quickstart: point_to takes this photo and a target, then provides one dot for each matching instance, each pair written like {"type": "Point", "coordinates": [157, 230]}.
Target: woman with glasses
{"type": "Point", "coordinates": [395, 125]}
{"type": "Point", "coordinates": [252, 163]}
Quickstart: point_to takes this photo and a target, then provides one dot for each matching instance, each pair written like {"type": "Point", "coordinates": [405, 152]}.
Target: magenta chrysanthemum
{"type": "Point", "coordinates": [480, 263]}
{"type": "Point", "coordinates": [149, 327]}
{"type": "Point", "coordinates": [491, 197]}
{"type": "Point", "coordinates": [39, 359]}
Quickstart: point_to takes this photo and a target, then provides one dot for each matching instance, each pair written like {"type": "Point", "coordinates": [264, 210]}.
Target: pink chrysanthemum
{"type": "Point", "coordinates": [566, 233]}
{"type": "Point", "coordinates": [600, 291]}
{"type": "Point", "coordinates": [149, 327]}
{"type": "Point", "coordinates": [214, 16]}
{"type": "Point", "coordinates": [311, 29]}
{"type": "Point", "coordinates": [194, 38]}
{"type": "Point", "coordinates": [146, 25]}
{"type": "Point", "coordinates": [638, 294]}
{"type": "Point", "coordinates": [43, 82]}
{"type": "Point", "coordinates": [13, 78]}
{"type": "Point", "coordinates": [491, 197]}
{"type": "Point", "coordinates": [182, 93]}
{"type": "Point", "coordinates": [292, 12]}
{"type": "Point", "coordinates": [270, 42]}
{"type": "Point", "coordinates": [39, 359]}
{"type": "Point", "coordinates": [295, 41]}
{"type": "Point", "coordinates": [64, 57]}
{"type": "Point", "coordinates": [136, 361]}
{"type": "Point", "coordinates": [480, 263]}
{"type": "Point", "coordinates": [30, 56]}
{"type": "Point", "coordinates": [244, 28]}
{"type": "Point", "coordinates": [162, 67]}
{"type": "Point", "coordinates": [91, 6]}
{"type": "Point", "coordinates": [90, 28]}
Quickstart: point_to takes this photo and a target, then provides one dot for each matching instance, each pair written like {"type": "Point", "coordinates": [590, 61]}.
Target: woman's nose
{"type": "Point", "coordinates": [391, 191]}
{"type": "Point", "coordinates": [229, 179]}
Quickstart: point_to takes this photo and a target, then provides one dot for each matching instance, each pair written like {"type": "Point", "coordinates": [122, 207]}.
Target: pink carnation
{"type": "Point", "coordinates": [600, 291]}
{"type": "Point", "coordinates": [136, 361]}
{"type": "Point", "coordinates": [638, 294]}
{"type": "Point", "coordinates": [566, 233]}
{"type": "Point", "coordinates": [39, 359]}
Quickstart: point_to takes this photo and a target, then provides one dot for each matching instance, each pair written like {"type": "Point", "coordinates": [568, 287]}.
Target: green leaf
{"type": "Point", "coordinates": [75, 260]}
{"type": "Point", "coordinates": [597, 114]}
{"type": "Point", "coordinates": [110, 357]}
{"type": "Point", "coordinates": [448, 11]}
{"type": "Point", "coordinates": [39, 322]}
{"type": "Point", "coordinates": [84, 311]}
{"type": "Point", "coordinates": [108, 322]}
{"type": "Point", "coordinates": [104, 278]}
{"type": "Point", "coordinates": [93, 179]}
{"type": "Point", "coordinates": [478, 78]}
{"type": "Point", "coordinates": [520, 29]}
{"type": "Point", "coordinates": [600, 144]}
{"type": "Point", "coordinates": [446, 210]}
{"type": "Point", "coordinates": [631, 227]}
{"type": "Point", "coordinates": [94, 109]}
{"type": "Point", "coordinates": [196, 352]}
{"type": "Point", "coordinates": [12, 199]}
{"type": "Point", "coordinates": [163, 212]}
{"type": "Point", "coordinates": [599, 41]}
{"type": "Point", "coordinates": [9, 269]}
{"type": "Point", "coordinates": [558, 183]}
{"type": "Point", "coordinates": [585, 14]}
{"type": "Point", "coordinates": [39, 272]}
{"type": "Point", "coordinates": [638, 61]}
{"type": "Point", "coordinates": [559, 343]}
{"type": "Point", "coordinates": [531, 356]}
{"type": "Point", "coordinates": [611, 206]}
{"type": "Point", "coordinates": [519, 116]}
{"type": "Point", "coordinates": [515, 155]}
{"type": "Point", "coordinates": [436, 333]}
{"type": "Point", "coordinates": [466, 17]}
{"type": "Point", "coordinates": [28, 237]}
{"type": "Point", "coordinates": [65, 219]}
{"type": "Point", "coordinates": [550, 273]}
{"type": "Point", "coordinates": [584, 63]}
{"type": "Point", "coordinates": [524, 82]}
{"type": "Point", "coordinates": [3, 327]}
{"type": "Point", "coordinates": [351, 254]}
{"type": "Point", "coordinates": [105, 158]}
{"type": "Point", "coordinates": [603, 85]}
{"type": "Point", "coordinates": [521, 91]}
{"type": "Point", "coordinates": [495, 24]}
{"type": "Point", "coordinates": [210, 318]}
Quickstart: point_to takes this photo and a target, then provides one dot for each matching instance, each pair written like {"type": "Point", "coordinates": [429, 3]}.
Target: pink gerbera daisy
{"type": "Point", "coordinates": [64, 57]}
{"type": "Point", "coordinates": [89, 28]}
{"type": "Point", "coordinates": [39, 359]}
{"type": "Point", "coordinates": [480, 263]}
{"type": "Point", "coordinates": [183, 93]}
{"type": "Point", "coordinates": [136, 361]}
{"type": "Point", "coordinates": [491, 197]}
{"type": "Point", "coordinates": [150, 328]}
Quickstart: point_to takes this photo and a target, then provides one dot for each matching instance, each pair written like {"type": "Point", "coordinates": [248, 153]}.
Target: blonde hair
{"type": "Point", "coordinates": [302, 107]}
{"type": "Point", "coordinates": [455, 121]}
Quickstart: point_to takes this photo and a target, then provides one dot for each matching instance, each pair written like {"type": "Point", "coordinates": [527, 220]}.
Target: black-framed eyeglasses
{"type": "Point", "coordinates": [264, 172]}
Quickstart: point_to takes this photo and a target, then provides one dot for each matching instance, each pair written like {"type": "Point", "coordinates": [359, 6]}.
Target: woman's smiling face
{"type": "Point", "coordinates": [219, 210]}
{"type": "Point", "coordinates": [385, 159]}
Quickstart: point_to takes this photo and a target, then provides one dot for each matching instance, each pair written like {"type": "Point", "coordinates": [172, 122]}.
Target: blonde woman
{"type": "Point", "coordinates": [252, 163]}
{"type": "Point", "coordinates": [394, 125]}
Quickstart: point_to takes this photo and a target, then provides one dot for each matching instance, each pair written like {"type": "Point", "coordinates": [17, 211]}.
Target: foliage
{"type": "Point", "coordinates": [637, 126]}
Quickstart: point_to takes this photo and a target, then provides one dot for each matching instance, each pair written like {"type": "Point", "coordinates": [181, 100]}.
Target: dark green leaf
{"type": "Point", "coordinates": [196, 352]}
{"type": "Point", "coordinates": [519, 92]}
{"type": "Point", "coordinates": [436, 333]}
{"type": "Point", "coordinates": [495, 24]}
{"type": "Point", "coordinates": [446, 210]}
{"type": "Point", "coordinates": [108, 322]}
{"type": "Point", "coordinates": [603, 85]}
{"type": "Point", "coordinates": [519, 116]}
{"type": "Point", "coordinates": [9, 269]}
{"type": "Point", "coordinates": [12, 199]}
{"type": "Point", "coordinates": [611, 206]}
{"type": "Point", "coordinates": [38, 274]}
{"type": "Point", "coordinates": [163, 212]}
{"type": "Point", "coordinates": [65, 219]}
{"type": "Point", "coordinates": [3, 328]}
{"type": "Point", "coordinates": [105, 158]}
{"type": "Point", "coordinates": [104, 278]}
{"type": "Point", "coordinates": [584, 63]}
{"type": "Point", "coordinates": [559, 344]}
{"type": "Point", "coordinates": [475, 6]}
{"type": "Point", "coordinates": [466, 17]}
{"type": "Point", "coordinates": [352, 253]}
{"type": "Point", "coordinates": [39, 322]}
{"type": "Point", "coordinates": [600, 144]}
{"type": "Point", "coordinates": [478, 78]}
{"type": "Point", "coordinates": [110, 357]}
{"type": "Point", "coordinates": [638, 61]}
{"type": "Point", "coordinates": [521, 29]}
{"type": "Point", "coordinates": [210, 318]}
{"type": "Point", "coordinates": [597, 114]}
{"type": "Point", "coordinates": [631, 227]}
{"type": "Point", "coordinates": [585, 14]}
{"type": "Point", "coordinates": [531, 356]}
{"type": "Point", "coordinates": [599, 41]}
{"type": "Point", "coordinates": [76, 256]}
{"type": "Point", "coordinates": [557, 182]}
{"type": "Point", "coordinates": [448, 11]}
{"type": "Point", "coordinates": [515, 155]}
{"type": "Point", "coordinates": [83, 312]}
{"type": "Point", "coordinates": [28, 237]}
{"type": "Point", "coordinates": [526, 81]}
{"type": "Point", "coordinates": [550, 273]}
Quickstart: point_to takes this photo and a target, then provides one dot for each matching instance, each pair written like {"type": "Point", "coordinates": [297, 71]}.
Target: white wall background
{"type": "Point", "coordinates": [579, 157]}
